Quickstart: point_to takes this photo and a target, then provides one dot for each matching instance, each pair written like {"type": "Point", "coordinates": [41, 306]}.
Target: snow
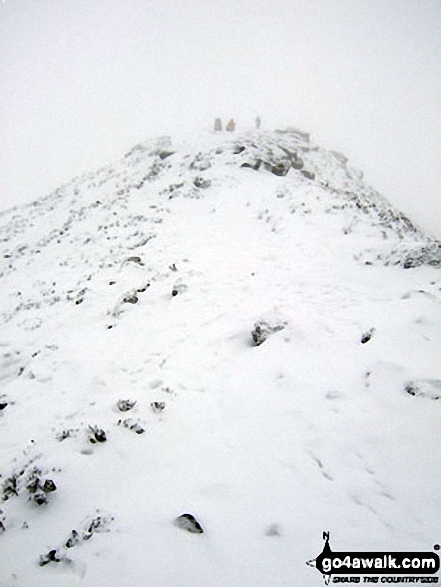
{"type": "Point", "coordinates": [265, 445]}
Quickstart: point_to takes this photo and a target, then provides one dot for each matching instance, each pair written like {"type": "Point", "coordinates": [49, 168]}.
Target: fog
{"type": "Point", "coordinates": [84, 80]}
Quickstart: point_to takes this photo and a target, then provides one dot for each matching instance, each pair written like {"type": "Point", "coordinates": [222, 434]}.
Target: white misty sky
{"type": "Point", "coordinates": [84, 80]}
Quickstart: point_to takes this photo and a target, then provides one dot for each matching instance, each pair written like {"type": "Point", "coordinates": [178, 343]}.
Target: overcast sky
{"type": "Point", "coordinates": [81, 81]}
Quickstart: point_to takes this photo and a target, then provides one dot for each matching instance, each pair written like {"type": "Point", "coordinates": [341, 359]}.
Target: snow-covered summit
{"type": "Point", "coordinates": [230, 332]}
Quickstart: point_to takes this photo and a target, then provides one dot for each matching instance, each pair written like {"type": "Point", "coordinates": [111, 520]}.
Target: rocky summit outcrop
{"type": "Point", "coordinates": [235, 326]}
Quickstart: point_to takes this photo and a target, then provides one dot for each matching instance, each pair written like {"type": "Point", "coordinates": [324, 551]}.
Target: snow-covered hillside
{"type": "Point", "coordinates": [232, 327]}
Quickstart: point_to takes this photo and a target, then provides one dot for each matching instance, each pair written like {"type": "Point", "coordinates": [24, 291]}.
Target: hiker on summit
{"type": "Point", "coordinates": [217, 125]}
{"type": "Point", "coordinates": [231, 125]}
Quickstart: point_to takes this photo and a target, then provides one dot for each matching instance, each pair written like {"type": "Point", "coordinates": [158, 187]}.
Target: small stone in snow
{"type": "Point", "coordinates": [40, 498]}
{"type": "Point", "coordinates": [33, 485]}
{"type": "Point", "coordinates": [157, 406]}
{"type": "Point", "coordinates": [175, 292]}
{"type": "Point", "coordinates": [367, 336]}
{"type": "Point", "coordinates": [49, 486]}
{"type": "Point", "coordinates": [124, 405]}
{"type": "Point", "coordinates": [188, 522]}
{"type": "Point", "coordinates": [51, 556]}
{"type": "Point", "coordinates": [3, 405]}
{"type": "Point", "coordinates": [100, 436]}
{"type": "Point", "coordinates": [131, 299]}
{"type": "Point", "coordinates": [73, 540]}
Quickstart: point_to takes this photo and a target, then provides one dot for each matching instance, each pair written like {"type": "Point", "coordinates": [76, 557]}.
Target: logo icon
{"type": "Point", "coordinates": [373, 563]}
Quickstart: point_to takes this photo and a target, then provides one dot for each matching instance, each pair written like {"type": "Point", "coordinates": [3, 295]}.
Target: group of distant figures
{"type": "Point", "coordinates": [231, 125]}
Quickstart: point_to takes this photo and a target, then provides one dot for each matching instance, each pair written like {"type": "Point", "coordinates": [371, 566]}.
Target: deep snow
{"type": "Point", "coordinates": [144, 281]}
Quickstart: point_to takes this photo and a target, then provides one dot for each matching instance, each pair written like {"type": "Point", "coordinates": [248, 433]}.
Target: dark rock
{"type": "Point", "coordinates": [50, 557]}
{"type": "Point", "coordinates": [425, 388]}
{"type": "Point", "coordinates": [262, 330]}
{"type": "Point", "coordinates": [256, 165]}
{"type": "Point", "coordinates": [131, 425]}
{"type": "Point", "coordinates": [40, 498]}
{"type": "Point", "coordinates": [280, 169]}
{"type": "Point", "coordinates": [64, 434]}
{"type": "Point", "coordinates": [175, 292]}
{"type": "Point", "coordinates": [367, 336]}
{"type": "Point", "coordinates": [131, 299]}
{"type": "Point", "coordinates": [78, 302]}
{"type": "Point", "coordinates": [124, 405]}
{"type": "Point", "coordinates": [33, 485]}
{"type": "Point", "coordinates": [143, 289]}
{"type": "Point", "coordinates": [3, 405]}
{"type": "Point", "coordinates": [49, 486]}
{"type": "Point", "coordinates": [73, 539]}
{"type": "Point", "coordinates": [100, 435]}
{"type": "Point", "coordinates": [188, 522]}
{"type": "Point", "coordinates": [10, 487]}
{"type": "Point", "coordinates": [239, 149]}
{"type": "Point", "coordinates": [135, 260]}
{"type": "Point", "coordinates": [157, 406]}
{"type": "Point", "coordinates": [411, 389]}
{"type": "Point", "coordinates": [202, 183]}
{"type": "Point", "coordinates": [164, 154]}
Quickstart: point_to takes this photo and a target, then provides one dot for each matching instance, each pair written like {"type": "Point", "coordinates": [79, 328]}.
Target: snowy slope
{"type": "Point", "coordinates": [155, 280]}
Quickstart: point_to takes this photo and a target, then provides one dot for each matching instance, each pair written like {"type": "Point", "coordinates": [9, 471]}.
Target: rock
{"type": "Point", "coordinates": [51, 556]}
{"type": "Point", "coordinates": [175, 292]}
{"type": "Point", "coordinates": [263, 329]}
{"type": "Point", "coordinates": [131, 299]}
{"type": "Point", "coordinates": [49, 486]}
{"type": "Point", "coordinates": [308, 174]}
{"type": "Point", "coordinates": [33, 485]}
{"type": "Point", "coordinates": [73, 540]}
{"type": "Point", "coordinates": [428, 388]}
{"type": "Point", "coordinates": [280, 169]}
{"type": "Point", "coordinates": [255, 165]}
{"type": "Point", "coordinates": [40, 498]}
{"type": "Point", "coordinates": [132, 425]}
{"type": "Point", "coordinates": [3, 405]}
{"type": "Point", "coordinates": [10, 487]}
{"type": "Point", "coordinates": [188, 522]}
{"type": "Point", "coordinates": [164, 154]}
{"type": "Point", "coordinates": [124, 405]}
{"type": "Point", "coordinates": [296, 162]}
{"type": "Point", "coordinates": [157, 406]}
{"type": "Point", "coordinates": [97, 435]}
{"type": "Point", "coordinates": [100, 436]}
{"type": "Point", "coordinates": [202, 183]}
{"type": "Point", "coordinates": [135, 260]}
{"type": "Point", "coordinates": [367, 336]}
